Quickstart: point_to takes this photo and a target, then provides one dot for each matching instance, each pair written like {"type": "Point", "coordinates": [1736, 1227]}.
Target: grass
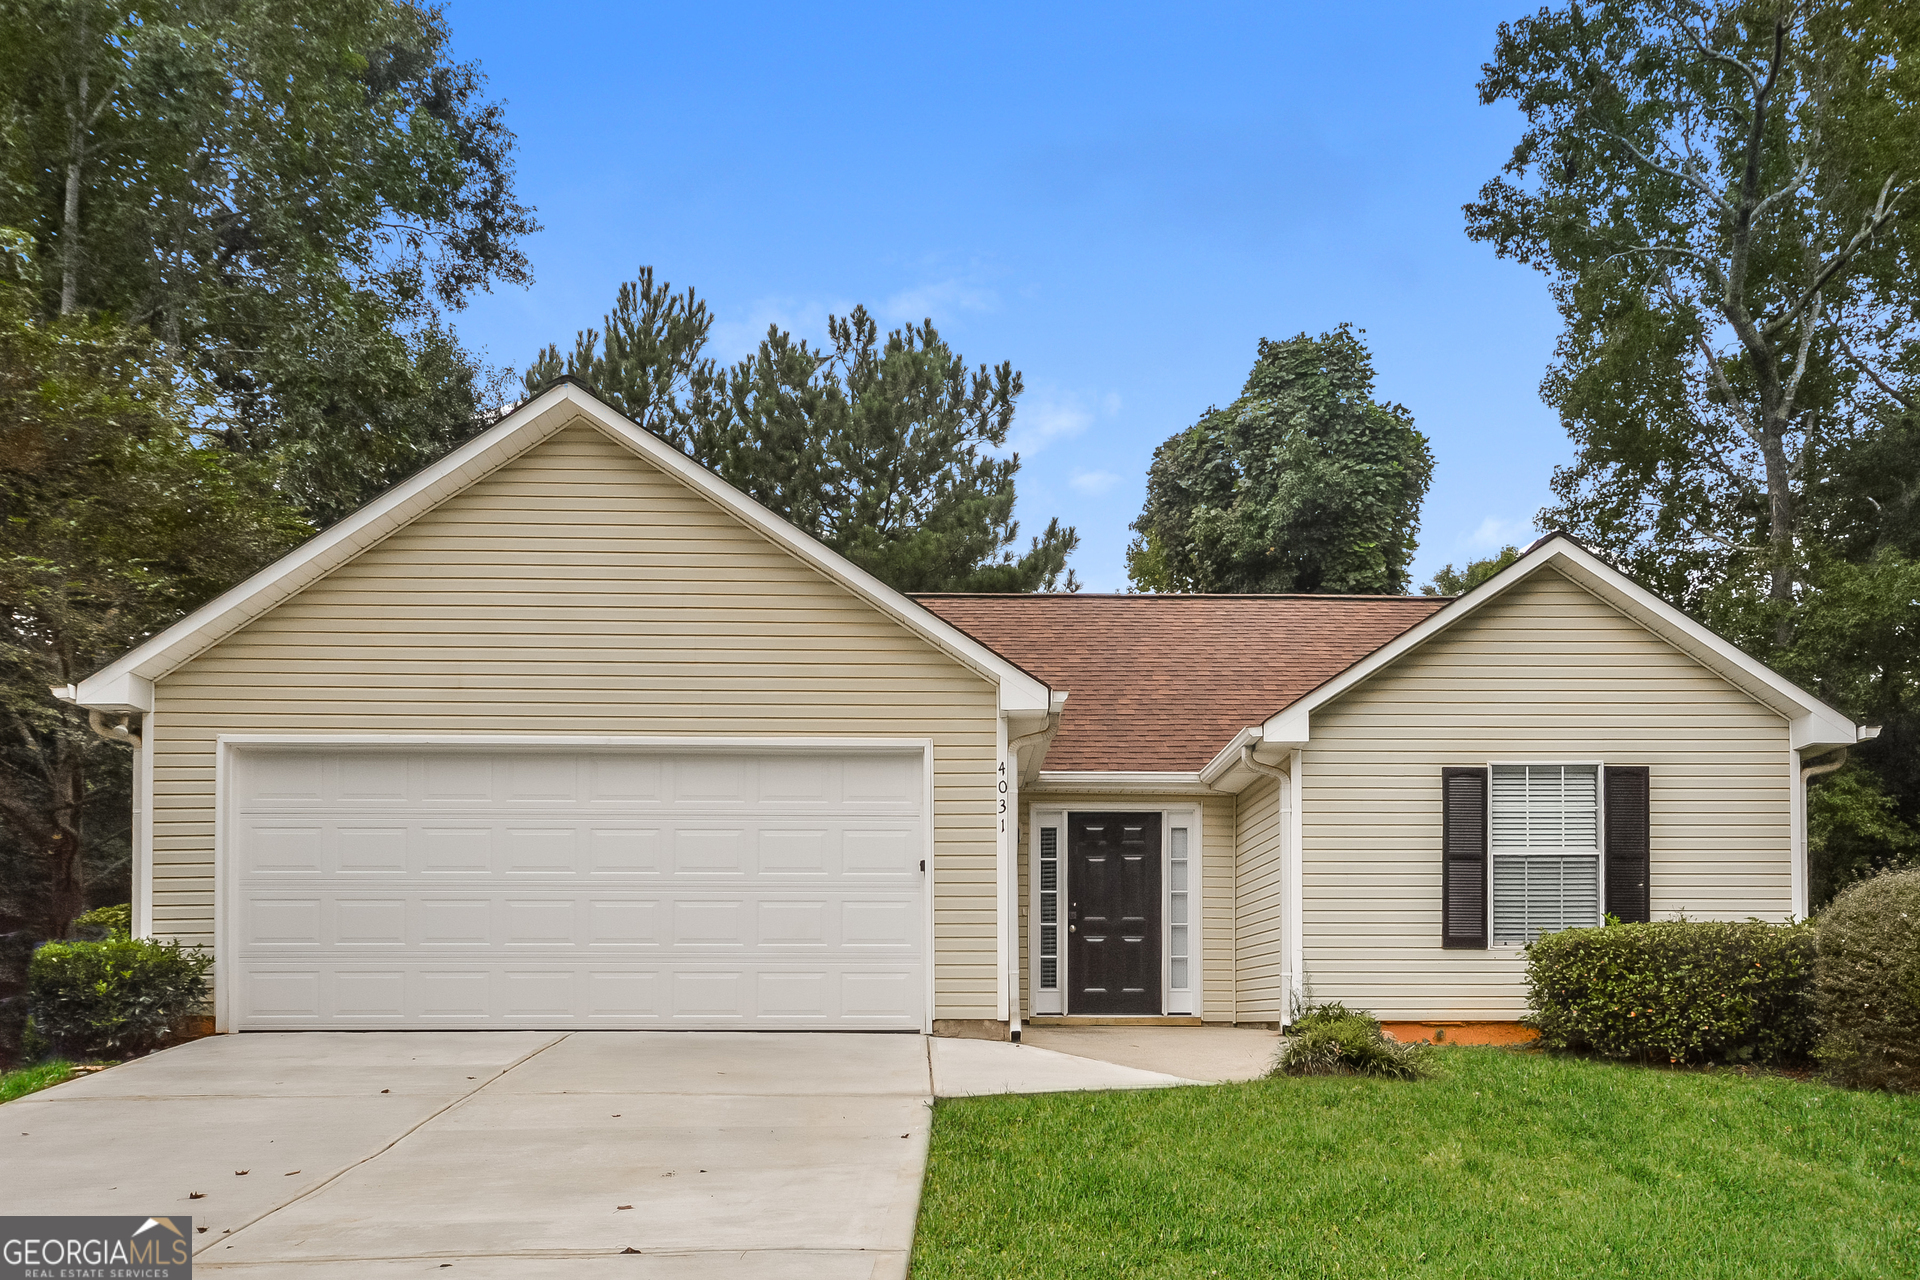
{"type": "Point", "coordinates": [1507, 1164]}
{"type": "Point", "coordinates": [18, 1084]}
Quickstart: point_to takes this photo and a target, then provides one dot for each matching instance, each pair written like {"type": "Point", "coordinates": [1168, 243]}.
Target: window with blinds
{"type": "Point", "coordinates": [1545, 828]}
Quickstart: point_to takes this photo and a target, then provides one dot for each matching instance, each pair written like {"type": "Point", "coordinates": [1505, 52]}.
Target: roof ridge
{"type": "Point", "coordinates": [1171, 596]}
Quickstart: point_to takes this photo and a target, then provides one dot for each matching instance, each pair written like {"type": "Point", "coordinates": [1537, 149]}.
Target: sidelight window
{"type": "Point", "coordinates": [1179, 923]}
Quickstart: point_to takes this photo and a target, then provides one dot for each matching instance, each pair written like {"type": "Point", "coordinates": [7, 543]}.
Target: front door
{"type": "Point", "coordinates": [1113, 912]}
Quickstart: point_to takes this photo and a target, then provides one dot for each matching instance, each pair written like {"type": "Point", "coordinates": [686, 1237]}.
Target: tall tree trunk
{"type": "Point", "coordinates": [65, 854]}
{"type": "Point", "coordinates": [1780, 530]}
{"type": "Point", "coordinates": [70, 216]}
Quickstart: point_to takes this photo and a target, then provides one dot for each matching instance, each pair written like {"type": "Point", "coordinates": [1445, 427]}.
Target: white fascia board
{"type": "Point", "coordinates": [519, 431]}
{"type": "Point", "coordinates": [1106, 781]}
{"type": "Point", "coordinates": [1229, 758]}
{"type": "Point", "coordinates": [125, 692]}
{"type": "Point", "coordinates": [1813, 722]}
{"type": "Point", "coordinates": [1228, 771]}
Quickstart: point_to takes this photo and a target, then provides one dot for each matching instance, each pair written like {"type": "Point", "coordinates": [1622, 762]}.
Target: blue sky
{"type": "Point", "coordinates": [1121, 200]}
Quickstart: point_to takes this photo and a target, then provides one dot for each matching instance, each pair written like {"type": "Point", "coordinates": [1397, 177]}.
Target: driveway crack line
{"type": "Point", "coordinates": [228, 1237]}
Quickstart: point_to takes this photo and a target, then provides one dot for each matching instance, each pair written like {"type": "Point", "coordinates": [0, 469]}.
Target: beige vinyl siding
{"type": "Point", "coordinates": [1546, 673]}
{"type": "Point", "coordinates": [1216, 880]}
{"type": "Point", "coordinates": [581, 590]}
{"type": "Point", "coordinates": [1260, 952]}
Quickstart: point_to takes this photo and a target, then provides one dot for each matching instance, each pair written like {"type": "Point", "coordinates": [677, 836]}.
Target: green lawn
{"type": "Point", "coordinates": [1510, 1164]}
{"type": "Point", "coordinates": [18, 1084]}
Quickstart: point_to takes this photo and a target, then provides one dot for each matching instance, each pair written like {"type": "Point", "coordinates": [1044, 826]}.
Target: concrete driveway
{"type": "Point", "coordinates": [642, 1155]}
{"type": "Point", "coordinates": [498, 1154]}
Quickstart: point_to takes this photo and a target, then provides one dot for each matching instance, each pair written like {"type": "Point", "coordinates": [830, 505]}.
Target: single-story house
{"type": "Point", "coordinates": [565, 732]}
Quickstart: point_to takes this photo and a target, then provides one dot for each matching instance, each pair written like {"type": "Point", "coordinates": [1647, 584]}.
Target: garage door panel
{"type": "Point", "coordinates": [623, 922]}
{"type": "Point", "coordinates": [471, 889]}
{"type": "Point", "coordinates": [625, 851]}
{"type": "Point", "coordinates": [293, 781]}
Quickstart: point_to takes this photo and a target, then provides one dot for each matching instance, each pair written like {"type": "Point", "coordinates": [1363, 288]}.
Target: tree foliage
{"type": "Point", "coordinates": [1305, 483]}
{"type": "Point", "coordinates": [286, 195]}
{"type": "Point", "coordinates": [1722, 196]}
{"type": "Point", "coordinates": [1719, 194]}
{"type": "Point", "coordinates": [1449, 581]}
{"type": "Point", "coordinates": [119, 510]}
{"type": "Point", "coordinates": [884, 449]}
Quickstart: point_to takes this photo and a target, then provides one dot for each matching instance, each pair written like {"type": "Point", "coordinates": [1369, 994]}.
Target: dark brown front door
{"type": "Point", "coordinates": [1113, 912]}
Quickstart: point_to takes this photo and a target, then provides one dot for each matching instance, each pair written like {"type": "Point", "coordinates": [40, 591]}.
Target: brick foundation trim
{"type": "Point", "coordinates": [1460, 1032]}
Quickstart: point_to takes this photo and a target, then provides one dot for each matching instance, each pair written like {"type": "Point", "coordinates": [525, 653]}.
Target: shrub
{"type": "Point", "coordinates": [1676, 991]}
{"type": "Point", "coordinates": [102, 923]}
{"type": "Point", "coordinates": [1868, 983]}
{"type": "Point", "coordinates": [120, 996]}
{"type": "Point", "coordinates": [1333, 1040]}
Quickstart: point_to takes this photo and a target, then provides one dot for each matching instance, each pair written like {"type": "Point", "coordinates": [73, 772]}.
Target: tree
{"type": "Point", "coordinates": [877, 448]}
{"type": "Point", "coordinates": [1718, 193]}
{"type": "Point", "coordinates": [647, 362]}
{"type": "Point", "coordinates": [1305, 483]}
{"type": "Point", "coordinates": [1721, 195]}
{"type": "Point", "coordinates": [121, 512]}
{"type": "Point", "coordinates": [285, 195]}
{"type": "Point", "coordinates": [1449, 581]}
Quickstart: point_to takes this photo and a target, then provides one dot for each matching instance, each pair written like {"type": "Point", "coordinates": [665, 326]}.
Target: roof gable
{"type": "Point", "coordinates": [1814, 725]}
{"type": "Point", "coordinates": [127, 684]}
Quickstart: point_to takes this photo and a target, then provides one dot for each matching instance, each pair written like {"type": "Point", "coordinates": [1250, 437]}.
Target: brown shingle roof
{"type": "Point", "coordinates": [1163, 682]}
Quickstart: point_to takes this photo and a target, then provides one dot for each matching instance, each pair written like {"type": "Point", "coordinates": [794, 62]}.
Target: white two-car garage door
{"type": "Point", "coordinates": [549, 887]}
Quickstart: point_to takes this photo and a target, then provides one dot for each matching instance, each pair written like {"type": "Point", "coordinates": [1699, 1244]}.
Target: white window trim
{"type": "Point", "coordinates": [226, 870]}
{"type": "Point", "coordinates": [1044, 813]}
{"type": "Point", "coordinates": [1600, 833]}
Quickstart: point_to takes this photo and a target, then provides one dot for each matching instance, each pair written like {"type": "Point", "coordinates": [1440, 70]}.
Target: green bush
{"type": "Point", "coordinates": [102, 923]}
{"type": "Point", "coordinates": [1333, 1040]}
{"type": "Point", "coordinates": [117, 997]}
{"type": "Point", "coordinates": [1676, 991]}
{"type": "Point", "coordinates": [1868, 984]}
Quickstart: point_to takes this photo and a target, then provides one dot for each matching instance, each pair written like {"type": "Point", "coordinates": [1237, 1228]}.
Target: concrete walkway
{"type": "Point", "coordinates": [647, 1155]}
{"type": "Point", "coordinates": [1211, 1055]}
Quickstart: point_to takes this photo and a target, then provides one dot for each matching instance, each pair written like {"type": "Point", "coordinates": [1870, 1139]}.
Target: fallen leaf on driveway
{"type": "Point", "coordinates": [623, 1206]}
{"type": "Point", "coordinates": [241, 1173]}
{"type": "Point", "coordinates": [200, 1230]}
{"type": "Point", "coordinates": [629, 1249]}
{"type": "Point", "coordinates": [289, 1175]}
{"type": "Point", "coordinates": [196, 1195]}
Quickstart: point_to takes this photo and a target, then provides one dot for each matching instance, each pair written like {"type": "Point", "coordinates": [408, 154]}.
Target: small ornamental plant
{"type": "Point", "coordinates": [1868, 984]}
{"type": "Point", "coordinates": [102, 923]}
{"type": "Point", "coordinates": [113, 998]}
{"type": "Point", "coordinates": [1676, 991]}
{"type": "Point", "coordinates": [1333, 1040]}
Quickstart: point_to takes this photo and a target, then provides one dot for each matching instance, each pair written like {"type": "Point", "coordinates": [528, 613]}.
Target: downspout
{"type": "Point", "coordinates": [1809, 772]}
{"type": "Point", "coordinates": [1015, 972]}
{"type": "Point", "coordinates": [121, 733]}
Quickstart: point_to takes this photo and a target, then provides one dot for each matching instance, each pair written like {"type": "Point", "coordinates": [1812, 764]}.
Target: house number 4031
{"type": "Point", "coordinates": [1001, 786]}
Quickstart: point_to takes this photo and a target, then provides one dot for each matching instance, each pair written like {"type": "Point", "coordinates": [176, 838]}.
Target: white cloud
{"type": "Point", "coordinates": [1495, 533]}
{"type": "Point", "coordinates": [804, 318]}
{"type": "Point", "coordinates": [1047, 415]}
{"type": "Point", "coordinates": [1093, 482]}
{"type": "Point", "coordinates": [910, 306]}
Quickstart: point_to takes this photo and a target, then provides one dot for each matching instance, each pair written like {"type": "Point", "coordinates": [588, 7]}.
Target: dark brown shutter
{"type": "Point", "coordinates": [1463, 855]}
{"type": "Point", "coordinates": [1628, 844]}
